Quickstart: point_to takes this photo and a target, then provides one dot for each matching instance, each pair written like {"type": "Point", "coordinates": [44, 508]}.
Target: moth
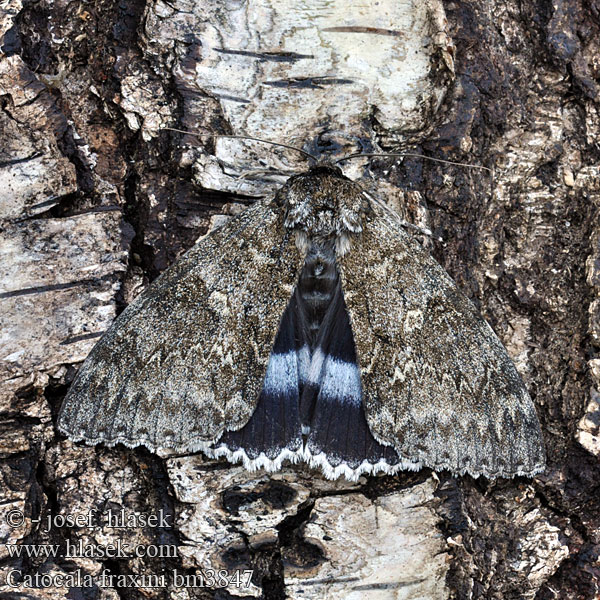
{"type": "Point", "coordinates": [312, 327]}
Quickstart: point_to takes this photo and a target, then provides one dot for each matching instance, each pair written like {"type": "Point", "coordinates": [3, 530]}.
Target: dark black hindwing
{"type": "Point", "coordinates": [310, 407]}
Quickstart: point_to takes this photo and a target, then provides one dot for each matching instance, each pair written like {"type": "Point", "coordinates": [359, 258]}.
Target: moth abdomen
{"type": "Point", "coordinates": [316, 287]}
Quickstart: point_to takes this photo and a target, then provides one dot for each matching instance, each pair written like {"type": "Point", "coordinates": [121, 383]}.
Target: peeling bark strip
{"type": "Point", "coordinates": [524, 100]}
{"type": "Point", "coordinates": [276, 56]}
{"type": "Point", "coordinates": [309, 82]}
{"type": "Point", "coordinates": [40, 289]}
{"type": "Point", "coordinates": [369, 30]}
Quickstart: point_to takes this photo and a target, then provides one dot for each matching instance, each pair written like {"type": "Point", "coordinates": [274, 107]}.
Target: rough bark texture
{"type": "Point", "coordinates": [96, 201]}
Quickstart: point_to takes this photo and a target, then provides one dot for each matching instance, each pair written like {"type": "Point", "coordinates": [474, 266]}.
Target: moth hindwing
{"type": "Point", "coordinates": [312, 327]}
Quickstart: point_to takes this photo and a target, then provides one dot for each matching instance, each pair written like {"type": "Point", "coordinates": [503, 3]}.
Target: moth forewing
{"type": "Point", "coordinates": [438, 384]}
{"type": "Point", "coordinates": [186, 360]}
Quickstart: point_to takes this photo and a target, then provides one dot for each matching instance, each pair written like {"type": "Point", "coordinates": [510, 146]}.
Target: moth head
{"type": "Point", "coordinates": [322, 204]}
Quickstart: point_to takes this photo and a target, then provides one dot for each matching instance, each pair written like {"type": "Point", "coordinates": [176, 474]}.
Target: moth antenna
{"type": "Point", "coordinates": [414, 155]}
{"type": "Point", "coordinates": [396, 217]}
{"type": "Point", "coordinates": [402, 222]}
{"type": "Point", "coordinates": [261, 172]}
{"type": "Point", "coordinates": [256, 172]}
{"type": "Point", "coordinates": [244, 137]}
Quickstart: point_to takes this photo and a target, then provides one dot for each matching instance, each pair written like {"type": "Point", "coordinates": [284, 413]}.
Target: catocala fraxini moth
{"type": "Point", "coordinates": [311, 327]}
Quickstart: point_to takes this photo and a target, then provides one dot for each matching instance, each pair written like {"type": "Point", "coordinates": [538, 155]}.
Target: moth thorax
{"type": "Point", "coordinates": [322, 206]}
{"type": "Point", "coordinates": [332, 225]}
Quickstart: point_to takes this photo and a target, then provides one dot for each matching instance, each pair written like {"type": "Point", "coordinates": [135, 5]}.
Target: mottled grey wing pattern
{"type": "Point", "coordinates": [437, 383]}
{"type": "Point", "coordinates": [187, 358]}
